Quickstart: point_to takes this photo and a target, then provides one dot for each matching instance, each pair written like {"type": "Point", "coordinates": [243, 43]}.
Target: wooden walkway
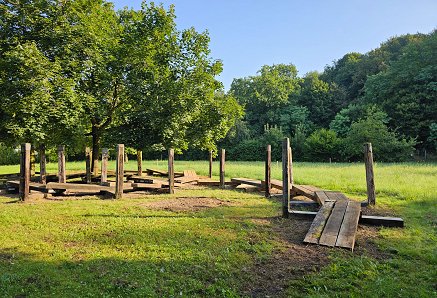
{"type": "Point", "coordinates": [336, 222]}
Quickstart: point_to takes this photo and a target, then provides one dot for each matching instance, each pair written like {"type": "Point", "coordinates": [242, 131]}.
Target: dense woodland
{"type": "Point", "coordinates": [82, 74]}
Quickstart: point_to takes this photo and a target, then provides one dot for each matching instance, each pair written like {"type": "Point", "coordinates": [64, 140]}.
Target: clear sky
{"type": "Point", "coordinates": [246, 34]}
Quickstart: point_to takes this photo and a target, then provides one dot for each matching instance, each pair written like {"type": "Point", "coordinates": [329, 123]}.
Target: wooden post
{"type": "Point", "coordinates": [285, 176]}
{"type": "Point", "coordinates": [24, 188]}
{"type": "Point", "coordinates": [268, 176]}
{"type": "Point", "coordinates": [104, 175]}
{"type": "Point", "coordinates": [32, 162]}
{"type": "Point", "coordinates": [368, 159]}
{"type": "Point", "coordinates": [290, 165]}
{"type": "Point", "coordinates": [210, 163]}
{"type": "Point", "coordinates": [88, 157]}
{"type": "Point", "coordinates": [222, 168]}
{"type": "Point", "coordinates": [119, 172]}
{"type": "Point", "coordinates": [140, 162]}
{"type": "Point", "coordinates": [62, 178]}
{"type": "Point", "coordinates": [42, 164]}
{"type": "Point", "coordinates": [171, 171]}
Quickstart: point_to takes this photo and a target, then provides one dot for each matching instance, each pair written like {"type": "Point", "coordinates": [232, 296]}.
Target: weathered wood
{"type": "Point", "coordinates": [24, 189]}
{"type": "Point", "coordinates": [277, 184]}
{"type": "Point", "coordinates": [61, 165]}
{"type": "Point", "coordinates": [104, 175]}
{"type": "Point", "coordinates": [290, 165]}
{"type": "Point", "coordinates": [317, 226]}
{"type": "Point", "coordinates": [146, 186]}
{"type": "Point", "coordinates": [304, 190]}
{"type": "Point", "coordinates": [302, 214]}
{"type": "Point", "coordinates": [382, 221]}
{"type": "Point", "coordinates": [332, 228]}
{"type": "Point", "coordinates": [15, 184]}
{"type": "Point", "coordinates": [247, 188]}
{"type": "Point", "coordinates": [321, 197]}
{"type": "Point", "coordinates": [285, 176]}
{"type": "Point", "coordinates": [140, 162]}
{"type": "Point", "coordinates": [119, 171]}
{"type": "Point", "coordinates": [78, 187]}
{"type": "Point", "coordinates": [171, 171]}
{"type": "Point", "coordinates": [42, 164]}
{"type": "Point", "coordinates": [210, 164]}
{"type": "Point", "coordinates": [88, 157]}
{"type": "Point", "coordinates": [348, 229]}
{"type": "Point", "coordinates": [296, 203]}
{"type": "Point", "coordinates": [268, 172]}
{"type": "Point", "coordinates": [247, 181]}
{"type": "Point", "coordinates": [222, 167]}
{"type": "Point", "coordinates": [368, 160]}
{"type": "Point", "coordinates": [32, 162]}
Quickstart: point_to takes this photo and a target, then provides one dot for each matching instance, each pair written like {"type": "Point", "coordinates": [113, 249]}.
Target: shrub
{"type": "Point", "coordinates": [8, 155]}
{"type": "Point", "coordinates": [322, 145]}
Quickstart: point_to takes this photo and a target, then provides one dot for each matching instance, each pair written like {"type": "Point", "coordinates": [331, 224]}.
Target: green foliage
{"type": "Point", "coordinates": [8, 155]}
{"type": "Point", "coordinates": [433, 134]}
{"type": "Point", "coordinates": [322, 145]}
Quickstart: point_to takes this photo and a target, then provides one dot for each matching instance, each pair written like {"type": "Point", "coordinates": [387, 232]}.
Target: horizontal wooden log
{"type": "Point", "coordinates": [247, 181]}
{"type": "Point", "coordinates": [78, 187]}
{"type": "Point", "coordinates": [294, 203]}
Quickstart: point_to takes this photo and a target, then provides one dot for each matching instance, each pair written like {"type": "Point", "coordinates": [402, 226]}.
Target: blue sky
{"type": "Point", "coordinates": [310, 34]}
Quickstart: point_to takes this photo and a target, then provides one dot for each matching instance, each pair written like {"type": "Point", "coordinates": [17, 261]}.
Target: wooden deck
{"type": "Point", "coordinates": [336, 222]}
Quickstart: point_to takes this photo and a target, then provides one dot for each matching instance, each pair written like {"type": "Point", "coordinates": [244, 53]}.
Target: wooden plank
{"type": "Point", "coordinates": [304, 191]}
{"type": "Point", "coordinates": [382, 221]}
{"type": "Point", "coordinates": [321, 197]}
{"type": "Point", "coordinates": [139, 186]}
{"type": "Point", "coordinates": [42, 164]}
{"type": "Point", "coordinates": [348, 229]}
{"type": "Point", "coordinates": [32, 185]}
{"type": "Point", "coordinates": [24, 189]}
{"type": "Point", "coordinates": [295, 203]}
{"type": "Point", "coordinates": [119, 171]}
{"type": "Point", "coordinates": [61, 165]}
{"type": "Point", "coordinates": [285, 176]}
{"type": "Point", "coordinates": [77, 187]}
{"type": "Point", "coordinates": [248, 181]}
{"type": "Point", "coordinates": [171, 171]}
{"type": "Point", "coordinates": [368, 160]}
{"type": "Point", "coordinates": [302, 214]}
{"type": "Point", "coordinates": [268, 172]}
{"type": "Point", "coordinates": [332, 228]}
{"type": "Point", "coordinates": [210, 164]}
{"type": "Point", "coordinates": [276, 184]}
{"type": "Point", "coordinates": [222, 167]}
{"type": "Point", "coordinates": [184, 180]}
{"type": "Point", "coordinates": [247, 187]}
{"type": "Point", "coordinates": [189, 173]}
{"type": "Point", "coordinates": [319, 223]}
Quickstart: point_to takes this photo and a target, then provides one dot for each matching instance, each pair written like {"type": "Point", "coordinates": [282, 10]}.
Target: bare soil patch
{"type": "Point", "coordinates": [187, 204]}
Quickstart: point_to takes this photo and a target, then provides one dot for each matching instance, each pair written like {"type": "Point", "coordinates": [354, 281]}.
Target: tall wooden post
{"type": "Point", "coordinates": [368, 160]}
{"type": "Point", "coordinates": [119, 172]}
{"type": "Point", "coordinates": [171, 171]}
{"type": "Point", "coordinates": [95, 162]}
{"type": "Point", "coordinates": [42, 164]}
{"type": "Point", "coordinates": [104, 175]}
{"type": "Point", "coordinates": [140, 162]}
{"type": "Point", "coordinates": [285, 176]}
{"type": "Point", "coordinates": [88, 157]}
{"type": "Point", "coordinates": [290, 165]}
{"type": "Point", "coordinates": [62, 177]}
{"type": "Point", "coordinates": [268, 176]}
{"type": "Point", "coordinates": [210, 164]}
{"type": "Point", "coordinates": [32, 162]}
{"type": "Point", "coordinates": [24, 188]}
{"type": "Point", "coordinates": [222, 167]}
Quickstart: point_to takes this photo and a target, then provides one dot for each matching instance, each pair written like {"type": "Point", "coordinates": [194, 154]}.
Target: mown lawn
{"type": "Point", "coordinates": [108, 248]}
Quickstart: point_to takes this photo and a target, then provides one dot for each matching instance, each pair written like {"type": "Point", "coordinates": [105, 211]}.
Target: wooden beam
{"type": "Point", "coordinates": [32, 161]}
{"type": "Point", "coordinates": [285, 177]}
{"type": "Point", "coordinates": [253, 182]}
{"type": "Point", "coordinates": [222, 167]}
{"type": "Point", "coordinates": [171, 171]}
{"type": "Point", "coordinates": [104, 175]}
{"type": "Point", "coordinates": [78, 187]}
{"type": "Point", "coordinates": [290, 165]}
{"type": "Point", "coordinates": [88, 157]}
{"type": "Point", "coordinates": [268, 172]}
{"type": "Point", "coordinates": [210, 164]}
{"type": "Point", "coordinates": [333, 225]}
{"type": "Point", "coordinates": [348, 230]}
{"type": "Point", "coordinates": [382, 221]}
{"type": "Point", "coordinates": [62, 178]}
{"type": "Point", "coordinates": [24, 189]}
{"type": "Point", "coordinates": [119, 172]}
{"type": "Point", "coordinates": [319, 223]}
{"type": "Point", "coordinates": [42, 164]}
{"type": "Point", "coordinates": [368, 160]}
{"type": "Point", "coordinates": [140, 162]}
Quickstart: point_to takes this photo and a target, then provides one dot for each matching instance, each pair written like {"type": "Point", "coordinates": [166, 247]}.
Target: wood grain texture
{"type": "Point", "coordinates": [61, 165]}
{"type": "Point", "coordinates": [119, 171]}
{"type": "Point", "coordinates": [285, 177]}
{"type": "Point", "coordinates": [104, 175]}
{"type": "Point", "coordinates": [268, 172]}
{"type": "Point", "coordinates": [222, 167]}
{"type": "Point", "coordinates": [42, 164]}
{"type": "Point", "coordinates": [332, 228]}
{"type": "Point", "coordinates": [171, 171]}
{"type": "Point", "coordinates": [314, 233]}
{"type": "Point", "coordinates": [368, 161]}
{"type": "Point", "coordinates": [24, 189]}
{"type": "Point", "coordinates": [349, 226]}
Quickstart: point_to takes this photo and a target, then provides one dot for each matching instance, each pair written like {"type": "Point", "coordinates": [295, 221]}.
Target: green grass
{"type": "Point", "coordinates": [120, 248]}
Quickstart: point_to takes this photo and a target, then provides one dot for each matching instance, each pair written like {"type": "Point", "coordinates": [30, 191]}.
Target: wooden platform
{"type": "Point", "coordinates": [336, 222]}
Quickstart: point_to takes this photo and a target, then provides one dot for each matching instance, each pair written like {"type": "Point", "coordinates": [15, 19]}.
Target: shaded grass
{"type": "Point", "coordinates": [119, 248]}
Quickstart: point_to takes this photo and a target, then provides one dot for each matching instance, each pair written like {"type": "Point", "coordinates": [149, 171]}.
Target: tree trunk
{"type": "Point", "coordinates": [96, 135]}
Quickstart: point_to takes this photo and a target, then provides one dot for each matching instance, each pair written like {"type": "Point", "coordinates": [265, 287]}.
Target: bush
{"type": "Point", "coordinates": [322, 145]}
{"type": "Point", "coordinates": [8, 155]}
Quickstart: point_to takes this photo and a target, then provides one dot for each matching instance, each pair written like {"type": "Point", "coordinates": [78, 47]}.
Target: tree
{"type": "Point", "coordinates": [322, 145]}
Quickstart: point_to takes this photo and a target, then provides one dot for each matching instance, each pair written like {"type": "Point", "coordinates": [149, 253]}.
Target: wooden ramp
{"type": "Point", "coordinates": [336, 222]}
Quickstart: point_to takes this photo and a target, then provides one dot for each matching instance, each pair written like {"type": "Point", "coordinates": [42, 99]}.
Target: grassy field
{"type": "Point", "coordinates": [123, 248]}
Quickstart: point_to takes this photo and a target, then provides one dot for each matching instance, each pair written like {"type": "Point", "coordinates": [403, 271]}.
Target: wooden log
{"type": "Point", "coordinates": [253, 182]}
{"type": "Point", "coordinates": [290, 165]}
{"type": "Point", "coordinates": [222, 168]}
{"type": "Point", "coordinates": [78, 187]}
{"type": "Point", "coordinates": [140, 162]}
{"type": "Point", "coordinates": [210, 164]}
{"type": "Point", "coordinates": [32, 161]}
{"type": "Point", "coordinates": [104, 175]}
{"type": "Point", "coordinates": [42, 164]}
{"type": "Point", "coordinates": [119, 172]}
{"type": "Point", "coordinates": [24, 189]}
{"type": "Point", "coordinates": [368, 160]}
{"type": "Point", "coordinates": [88, 157]}
{"type": "Point", "coordinates": [268, 172]}
{"type": "Point", "coordinates": [285, 177]}
{"type": "Point", "coordinates": [171, 171]}
{"type": "Point", "coordinates": [62, 178]}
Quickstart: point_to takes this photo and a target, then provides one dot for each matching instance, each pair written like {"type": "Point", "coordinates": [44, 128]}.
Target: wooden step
{"type": "Point", "coordinates": [318, 224]}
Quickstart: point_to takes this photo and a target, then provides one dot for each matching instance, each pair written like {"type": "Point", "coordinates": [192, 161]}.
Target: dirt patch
{"type": "Point", "coordinates": [187, 204]}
